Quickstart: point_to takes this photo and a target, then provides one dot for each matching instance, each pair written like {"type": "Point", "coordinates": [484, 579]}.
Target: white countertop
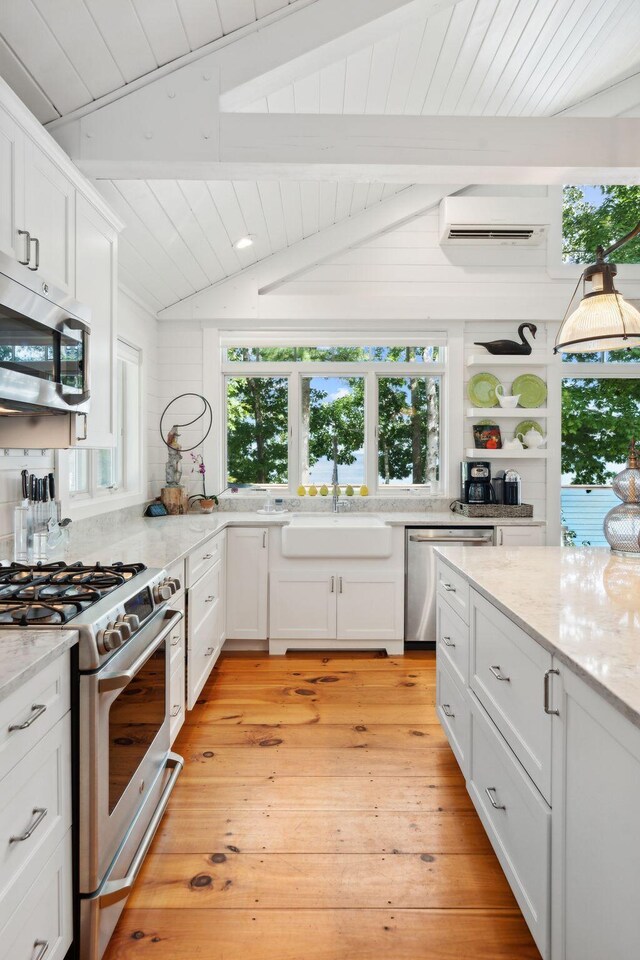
{"type": "Point", "coordinates": [581, 604]}
{"type": "Point", "coordinates": [23, 653]}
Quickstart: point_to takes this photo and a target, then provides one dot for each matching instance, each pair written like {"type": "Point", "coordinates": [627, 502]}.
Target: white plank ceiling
{"type": "Point", "coordinates": [62, 54]}
{"type": "Point", "coordinates": [479, 57]}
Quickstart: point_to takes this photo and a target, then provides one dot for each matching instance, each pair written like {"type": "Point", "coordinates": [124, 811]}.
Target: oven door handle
{"type": "Point", "coordinates": [118, 681]}
{"type": "Point", "coordinates": [114, 890]}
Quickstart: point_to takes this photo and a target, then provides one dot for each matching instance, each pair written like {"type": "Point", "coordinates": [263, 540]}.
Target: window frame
{"type": "Point", "coordinates": [370, 371]}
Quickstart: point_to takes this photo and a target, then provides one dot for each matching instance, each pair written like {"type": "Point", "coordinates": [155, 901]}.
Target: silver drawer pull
{"type": "Point", "coordinates": [547, 693]}
{"type": "Point", "coordinates": [498, 674]}
{"type": "Point", "coordinates": [449, 587]}
{"type": "Point", "coordinates": [210, 599]}
{"type": "Point", "coordinates": [41, 814]}
{"type": "Point", "coordinates": [176, 710]}
{"type": "Point", "coordinates": [208, 556]}
{"type": "Point", "coordinates": [492, 800]}
{"type": "Point", "coordinates": [446, 709]}
{"type": "Point", "coordinates": [448, 642]}
{"type": "Point", "coordinates": [174, 643]}
{"type": "Point", "coordinates": [44, 946]}
{"type": "Point", "coordinates": [38, 710]}
{"type": "Point", "coordinates": [209, 651]}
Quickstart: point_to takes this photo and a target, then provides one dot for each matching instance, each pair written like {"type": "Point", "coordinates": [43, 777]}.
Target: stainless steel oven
{"type": "Point", "coordinates": [44, 351]}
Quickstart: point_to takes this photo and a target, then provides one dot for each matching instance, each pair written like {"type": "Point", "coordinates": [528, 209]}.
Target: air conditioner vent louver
{"type": "Point", "coordinates": [490, 233]}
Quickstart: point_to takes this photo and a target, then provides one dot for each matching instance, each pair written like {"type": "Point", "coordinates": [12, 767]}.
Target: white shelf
{"type": "Point", "coordinates": [473, 454]}
{"type": "Point", "coordinates": [519, 413]}
{"type": "Point", "coordinates": [517, 360]}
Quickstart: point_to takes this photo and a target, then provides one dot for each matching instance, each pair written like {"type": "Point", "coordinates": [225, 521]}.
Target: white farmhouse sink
{"type": "Point", "coordinates": [312, 536]}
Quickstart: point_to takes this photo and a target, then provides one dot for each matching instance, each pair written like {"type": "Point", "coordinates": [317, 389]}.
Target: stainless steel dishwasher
{"type": "Point", "coordinates": [420, 558]}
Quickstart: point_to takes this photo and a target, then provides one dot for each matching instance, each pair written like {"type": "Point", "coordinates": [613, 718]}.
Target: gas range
{"type": "Point", "coordinates": [106, 603]}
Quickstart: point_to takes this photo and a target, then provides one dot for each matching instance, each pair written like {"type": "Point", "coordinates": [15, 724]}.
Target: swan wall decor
{"type": "Point", "coordinates": [512, 347]}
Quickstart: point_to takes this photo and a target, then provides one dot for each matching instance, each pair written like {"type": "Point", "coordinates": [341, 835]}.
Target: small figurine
{"type": "Point", "coordinates": [173, 469]}
{"type": "Point", "coordinates": [511, 347]}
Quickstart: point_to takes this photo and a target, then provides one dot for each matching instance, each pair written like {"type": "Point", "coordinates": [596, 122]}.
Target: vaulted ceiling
{"type": "Point", "coordinates": [516, 58]}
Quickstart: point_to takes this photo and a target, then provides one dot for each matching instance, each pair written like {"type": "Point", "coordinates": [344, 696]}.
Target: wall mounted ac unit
{"type": "Point", "coordinates": [510, 221]}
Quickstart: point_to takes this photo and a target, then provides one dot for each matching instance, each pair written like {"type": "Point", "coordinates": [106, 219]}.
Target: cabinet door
{"type": "Point", "coordinates": [371, 606]}
{"type": "Point", "coordinates": [247, 572]}
{"type": "Point", "coordinates": [50, 217]}
{"type": "Point", "coordinates": [303, 605]}
{"type": "Point", "coordinates": [11, 190]}
{"type": "Point", "coordinates": [96, 287]}
{"type": "Point", "coordinates": [203, 630]}
{"type": "Point", "coordinates": [520, 536]}
{"type": "Point", "coordinates": [595, 845]}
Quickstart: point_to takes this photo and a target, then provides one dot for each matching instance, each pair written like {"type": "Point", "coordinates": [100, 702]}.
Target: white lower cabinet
{"type": "Point", "coordinates": [370, 605]}
{"type": "Point", "coordinates": [205, 629]}
{"type": "Point", "coordinates": [454, 713]}
{"type": "Point", "coordinates": [529, 536]}
{"type": "Point", "coordinates": [303, 605]}
{"type": "Point", "coordinates": [247, 583]}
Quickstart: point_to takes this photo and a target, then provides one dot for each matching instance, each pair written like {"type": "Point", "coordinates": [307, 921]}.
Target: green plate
{"type": "Point", "coordinates": [525, 425]}
{"type": "Point", "coordinates": [481, 390]}
{"type": "Point", "coordinates": [532, 390]}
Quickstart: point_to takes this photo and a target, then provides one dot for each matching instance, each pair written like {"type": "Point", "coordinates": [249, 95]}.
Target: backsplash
{"type": "Point", "coordinates": [388, 504]}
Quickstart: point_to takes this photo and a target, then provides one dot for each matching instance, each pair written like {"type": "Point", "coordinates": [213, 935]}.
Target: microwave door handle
{"type": "Point", "coordinates": [118, 681]}
{"type": "Point", "coordinates": [115, 890]}
{"type": "Point", "coordinates": [73, 399]}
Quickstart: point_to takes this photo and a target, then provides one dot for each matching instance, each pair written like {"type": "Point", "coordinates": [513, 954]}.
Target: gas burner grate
{"type": "Point", "coordinates": [18, 614]}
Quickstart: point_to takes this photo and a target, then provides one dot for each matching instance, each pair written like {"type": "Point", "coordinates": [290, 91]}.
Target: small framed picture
{"type": "Point", "coordinates": [487, 436]}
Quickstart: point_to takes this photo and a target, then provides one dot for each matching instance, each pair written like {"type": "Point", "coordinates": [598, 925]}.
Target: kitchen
{"type": "Point", "coordinates": [265, 389]}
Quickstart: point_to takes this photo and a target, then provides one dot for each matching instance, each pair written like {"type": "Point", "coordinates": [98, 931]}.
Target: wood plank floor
{"type": "Point", "coordinates": [320, 816]}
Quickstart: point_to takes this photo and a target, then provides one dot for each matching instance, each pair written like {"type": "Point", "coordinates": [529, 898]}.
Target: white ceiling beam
{"type": "Point", "coordinates": [171, 144]}
{"type": "Point", "coordinates": [240, 294]}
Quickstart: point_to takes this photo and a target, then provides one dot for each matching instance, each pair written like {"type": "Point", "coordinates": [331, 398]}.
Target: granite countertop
{"type": "Point", "coordinates": [23, 653]}
{"type": "Point", "coordinates": [581, 604]}
{"type": "Point", "coordinates": [161, 541]}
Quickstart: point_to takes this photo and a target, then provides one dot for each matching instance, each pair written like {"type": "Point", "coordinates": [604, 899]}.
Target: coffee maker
{"type": "Point", "coordinates": [476, 486]}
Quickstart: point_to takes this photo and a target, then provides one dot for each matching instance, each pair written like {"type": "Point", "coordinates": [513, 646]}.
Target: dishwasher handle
{"type": "Point", "coordinates": [449, 540]}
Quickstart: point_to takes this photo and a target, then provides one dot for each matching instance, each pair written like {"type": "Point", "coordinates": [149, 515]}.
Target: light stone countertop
{"type": "Point", "coordinates": [23, 653]}
{"type": "Point", "coordinates": [161, 541]}
{"type": "Point", "coordinates": [581, 604]}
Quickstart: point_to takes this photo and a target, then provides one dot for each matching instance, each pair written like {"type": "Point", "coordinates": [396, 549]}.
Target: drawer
{"type": "Point", "coordinates": [452, 587]}
{"type": "Point", "coordinates": [202, 559]}
{"type": "Point", "coordinates": [517, 821]}
{"type": "Point", "coordinates": [507, 670]}
{"type": "Point", "coordinates": [45, 914]}
{"type": "Point", "coordinates": [453, 641]}
{"type": "Point", "coordinates": [49, 689]}
{"type": "Point", "coordinates": [207, 593]}
{"type": "Point", "coordinates": [35, 797]}
{"type": "Point", "coordinates": [176, 701]}
{"type": "Point", "coordinates": [203, 651]}
{"type": "Point", "coordinates": [452, 705]}
{"type": "Point", "coordinates": [176, 637]}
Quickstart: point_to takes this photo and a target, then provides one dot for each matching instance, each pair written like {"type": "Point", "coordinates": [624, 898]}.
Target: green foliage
{"type": "Point", "coordinates": [585, 226]}
{"type": "Point", "coordinates": [258, 430]}
{"type": "Point", "coordinates": [599, 417]}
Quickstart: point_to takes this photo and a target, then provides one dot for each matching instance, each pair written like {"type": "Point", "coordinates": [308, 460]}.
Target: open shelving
{"type": "Point", "coordinates": [519, 413]}
{"type": "Point", "coordinates": [517, 360]}
{"type": "Point", "coordinates": [474, 454]}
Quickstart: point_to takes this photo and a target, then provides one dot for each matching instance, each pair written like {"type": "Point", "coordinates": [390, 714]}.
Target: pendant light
{"type": "Point", "coordinates": [603, 320]}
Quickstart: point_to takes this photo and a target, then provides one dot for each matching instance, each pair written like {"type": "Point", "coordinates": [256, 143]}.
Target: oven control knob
{"type": "Point", "coordinates": [173, 583]}
{"type": "Point", "coordinates": [124, 629]}
{"type": "Point", "coordinates": [132, 620]}
{"type": "Point", "coordinates": [162, 592]}
{"type": "Point", "coordinates": [109, 639]}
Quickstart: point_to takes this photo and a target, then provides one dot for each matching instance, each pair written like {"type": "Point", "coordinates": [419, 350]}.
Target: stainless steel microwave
{"type": "Point", "coordinates": [44, 350]}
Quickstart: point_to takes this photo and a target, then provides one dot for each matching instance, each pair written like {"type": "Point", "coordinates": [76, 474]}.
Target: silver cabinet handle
{"type": "Point", "coordinates": [209, 651]}
{"type": "Point", "coordinates": [501, 536]}
{"type": "Point", "coordinates": [174, 643]}
{"type": "Point", "coordinates": [176, 710]}
{"type": "Point", "coordinates": [446, 709]}
{"type": "Point", "coordinates": [85, 434]}
{"type": "Point", "coordinates": [339, 584]}
{"type": "Point", "coordinates": [448, 642]}
{"type": "Point", "coordinates": [44, 946]}
{"type": "Point", "coordinates": [27, 247]}
{"type": "Point", "coordinates": [449, 588]}
{"type": "Point", "coordinates": [492, 800]}
{"type": "Point", "coordinates": [264, 539]}
{"type": "Point", "coordinates": [547, 693]}
{"type": "Point", "coordinates": [498, 674]}
{"type": "Point", "coordinates": [208, 556]}
{"type": "Point", "coordinates": [333, 584]}
{"type": "Point", "coordinates": [38, 709]}
{"type": "Point", "coordinates": [210, 599]}
{"type": "Point", "coordinates": [37, 243]}
{"type": "Point", "coordinates": [39, 813]}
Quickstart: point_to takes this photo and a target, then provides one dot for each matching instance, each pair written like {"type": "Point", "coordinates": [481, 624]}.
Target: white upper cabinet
{"type": "Point", "coordinates": [96, 277]}
{"type": "Point", "coordinates": [12, 141]}
{"type": "Point", "coordinates": [50, 199]}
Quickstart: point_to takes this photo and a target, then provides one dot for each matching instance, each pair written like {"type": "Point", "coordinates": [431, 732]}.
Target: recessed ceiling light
{"type": "Point", "coordinates": [243, 243]}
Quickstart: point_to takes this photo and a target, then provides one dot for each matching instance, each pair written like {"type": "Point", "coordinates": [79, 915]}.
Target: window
{"type": "Point", "coordinates": [297, 413]}
{"type": "Point", "coordinates": [599, 215]}
{"type": "Point", "coordinates": [95, 473]}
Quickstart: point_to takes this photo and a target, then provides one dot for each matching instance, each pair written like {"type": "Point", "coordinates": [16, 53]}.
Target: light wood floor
{"type": "Point", "coordinates": [320, 816]}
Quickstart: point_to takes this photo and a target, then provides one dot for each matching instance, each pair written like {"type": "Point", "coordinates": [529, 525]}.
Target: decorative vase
{"type": "Point", "coordinates": [207, 506]}
{"type": "Point", "coordinates": [622, 523]}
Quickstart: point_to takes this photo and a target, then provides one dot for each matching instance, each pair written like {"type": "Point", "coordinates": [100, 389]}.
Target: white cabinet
{"type": "Point", "coordinates": [520, 536]}
{"type": "Point", "coordinates": [177, 665]}
{"type": "Point", "coordinates": [12, 142]}
{"type": "Point", "coordinates": [247, 581]}
{"type": "Point", "coordinates": [595, 837]}
{"type": "Point", "coordinates": [303, 604]}
{"type": "Point", "coordinates": [96, 265]}
{"type": "Point", "coordinates": [205, 629]}
{"type": "Point", "coordinates": [370, 605]}
{"type": "Point", "coordinates": [49, 217]}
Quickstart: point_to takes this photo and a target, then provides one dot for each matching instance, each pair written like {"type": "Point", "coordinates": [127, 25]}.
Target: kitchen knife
{"type": "Point", "coordinates": [45, 488]}
{"type": "Point", "coordinates": [25, 484]}
{"type": "Point", "coordinates": [52, 486]}
{"type": "Point", "coordinates": [32, 488]}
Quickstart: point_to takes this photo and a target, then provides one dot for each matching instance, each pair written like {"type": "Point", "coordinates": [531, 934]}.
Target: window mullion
{"type": "Point", "coordinates": [294, 417]}
{"type": "Point", "coordinates": [371, 432]}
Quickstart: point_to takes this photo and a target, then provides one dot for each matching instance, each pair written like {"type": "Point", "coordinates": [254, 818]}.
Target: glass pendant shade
{"type": "Point", "coordinates": [622, 523]}
{"type": "Point", "coordinates": [602, 321]}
